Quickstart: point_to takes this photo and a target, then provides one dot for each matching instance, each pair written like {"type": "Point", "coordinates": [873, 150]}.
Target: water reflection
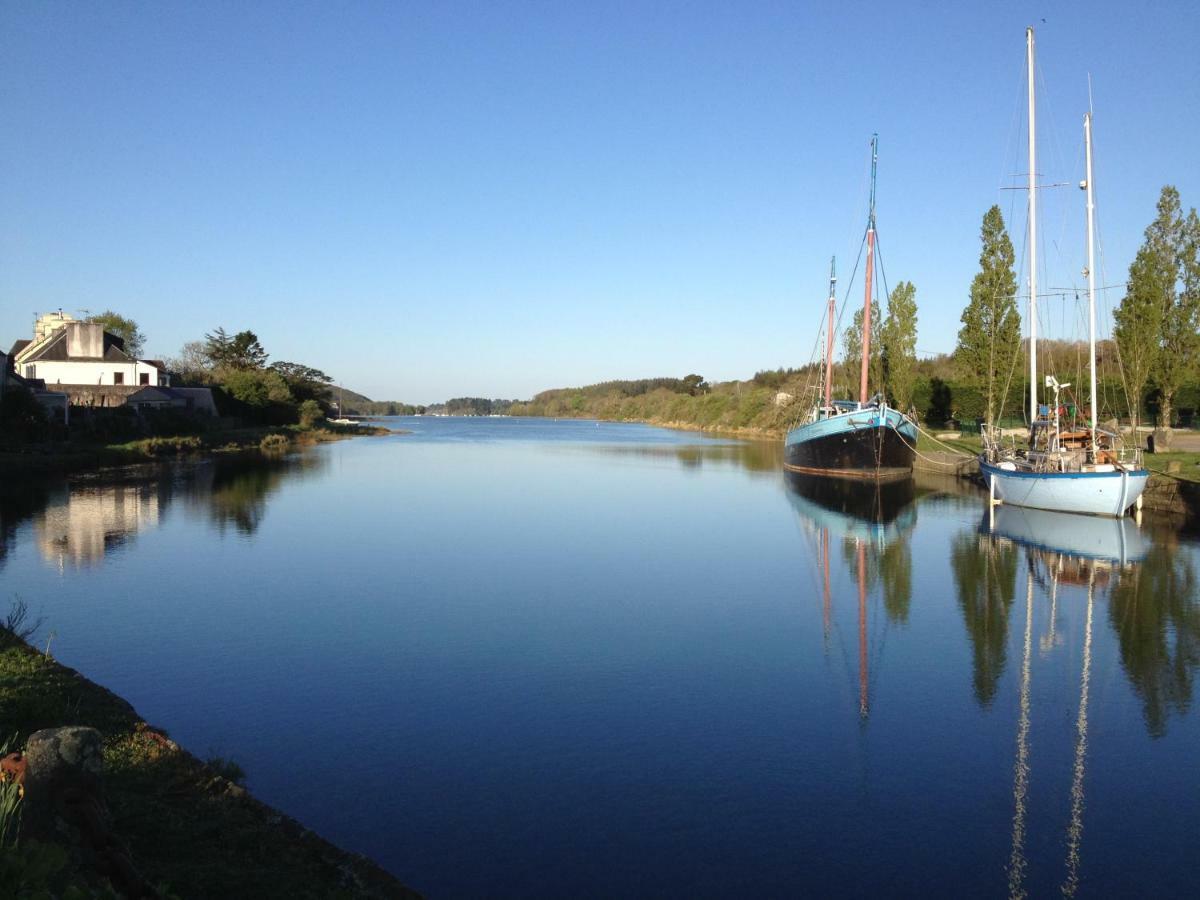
{"type": "Point", "coordinates": [76, 523]}
{"type": "Point", "coordinates": [1155, 612]}
{"type": "Point", "coordinates": [19, 500]}
{"type": "Point", "coordinates": [1153, 608]}
{"type": "Point", "coordinates": [79, 525]}
{"type": "Point", "coordinates": [754, 457]}
{"type": "Point", "coordinates": [233, 492]}
{"type": "Point", "coordinates": [873, 523]}
{"type": "Point", "coordinates": [985, 576]}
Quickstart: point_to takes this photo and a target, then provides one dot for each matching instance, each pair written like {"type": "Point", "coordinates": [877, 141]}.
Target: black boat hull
{"type": "Point", "coordinates": [878, 452]}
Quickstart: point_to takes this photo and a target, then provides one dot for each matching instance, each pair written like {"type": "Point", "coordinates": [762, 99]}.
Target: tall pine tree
{"type": "Point", "coordinates": [1158, 322]}
{"type": "Point", "coordinates": [852, 341]}
{"type": "Point", "coordinates": [990, 337]}
{"type": "Point", "coordinates": [900, 345]}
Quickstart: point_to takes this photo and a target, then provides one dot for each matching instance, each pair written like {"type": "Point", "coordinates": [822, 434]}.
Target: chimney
{"type": "Point", "coordinates": [85, 340]}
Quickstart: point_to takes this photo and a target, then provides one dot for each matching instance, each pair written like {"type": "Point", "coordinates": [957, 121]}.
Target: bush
{"type": "Point", "coordinates": [310, 413]}
{"type": "Point", "coordinates": [274, 443]}
{"type": "Point", "coordinates": [22, 417]}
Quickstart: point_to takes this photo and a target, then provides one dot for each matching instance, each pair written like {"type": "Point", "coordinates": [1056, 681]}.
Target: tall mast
{"type": "Point", "coordinates": [1091, 272]}
{"type": "Point", "coordinates": [1033, 385]}
{"type": "Point", "coordinates": [866, 328]}
{"type": "Point", "coordinates": [829, 336]}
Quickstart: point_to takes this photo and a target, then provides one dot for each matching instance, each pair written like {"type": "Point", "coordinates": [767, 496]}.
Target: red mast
{"type": "Point", "coordinates": [829, 336]}
{"type": "Point", "coordinates": [866, 327]}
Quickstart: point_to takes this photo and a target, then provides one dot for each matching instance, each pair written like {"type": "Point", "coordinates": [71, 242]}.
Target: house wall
{"type": "Point", "coordinates": [70, 372]}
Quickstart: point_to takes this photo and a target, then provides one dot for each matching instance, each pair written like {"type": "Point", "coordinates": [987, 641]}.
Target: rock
{"type": "Point", "coordinates": [62, 766]}
{"type": "Point", "coordinates": [783, 398]}
{"type": "Point", "coordinates": [64, 804]}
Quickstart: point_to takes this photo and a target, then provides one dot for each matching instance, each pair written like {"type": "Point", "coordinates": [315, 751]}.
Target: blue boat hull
{"type": "Point", "coordinates": [867, 443]}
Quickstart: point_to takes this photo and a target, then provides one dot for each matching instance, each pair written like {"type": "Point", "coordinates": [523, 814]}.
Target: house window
{"type": "Point", "coordinates": [118, 377]}
{"type": "Point", "coordinates": [144, 378]}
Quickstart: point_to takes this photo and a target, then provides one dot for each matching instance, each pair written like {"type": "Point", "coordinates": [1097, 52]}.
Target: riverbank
{"type": "Point", "coordinates": [70, 457]}
{"type": "Point", "coordinates": [187, 826]}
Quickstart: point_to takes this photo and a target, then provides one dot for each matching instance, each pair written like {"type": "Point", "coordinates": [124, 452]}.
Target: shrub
{"type": "Point", "coordinates": [310, 413]}
{"type": "Point", "coordinates": [274, 443]}
{"type": "Point", "coordinates": [21, 417]}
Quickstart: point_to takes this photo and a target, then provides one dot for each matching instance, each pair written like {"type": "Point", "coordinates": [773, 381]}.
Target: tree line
{"type": "Point", "coordinates": [1156, 326]}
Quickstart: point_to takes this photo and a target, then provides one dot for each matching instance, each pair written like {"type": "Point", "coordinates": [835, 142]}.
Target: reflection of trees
{"type": "Point", "coordinates": [19, 499]}
{"type": "Point", "coordinates": [895, 569]}
{"type": "Point", "coordinates": [750, 456]}
{"type": "Point", "coordinates": [1155, 610]}
{"type": "Point", "coordinates": [240, 488]}
{"type": "Point", "coordinates": [985, 574]}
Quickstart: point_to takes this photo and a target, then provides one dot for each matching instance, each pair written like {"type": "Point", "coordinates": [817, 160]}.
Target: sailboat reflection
{"type": "Point", "coordinates": [872, 520]}
{"type": "Point", "coordinates": [1068, 551]}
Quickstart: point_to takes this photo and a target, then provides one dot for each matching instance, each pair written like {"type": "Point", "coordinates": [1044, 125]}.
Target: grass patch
{"type": "Point", "coordinates": [1189, 464]}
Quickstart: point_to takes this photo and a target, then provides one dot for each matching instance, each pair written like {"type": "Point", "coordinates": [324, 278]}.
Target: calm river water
{"type": "Point", "coordinates": [526, 658]}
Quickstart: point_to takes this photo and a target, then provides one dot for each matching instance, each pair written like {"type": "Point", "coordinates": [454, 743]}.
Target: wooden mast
{"type": "Point", "coordinates": [866, 325]}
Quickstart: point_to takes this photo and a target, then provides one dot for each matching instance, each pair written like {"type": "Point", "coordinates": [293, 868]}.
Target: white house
{"type": "Point", "coordinates": [67, 352]}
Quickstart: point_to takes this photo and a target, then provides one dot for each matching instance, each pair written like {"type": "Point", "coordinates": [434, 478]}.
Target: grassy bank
{"type": "Point", "coordinates": [78, 456]}
{"type": "Point", "coordinates": [188, 827]}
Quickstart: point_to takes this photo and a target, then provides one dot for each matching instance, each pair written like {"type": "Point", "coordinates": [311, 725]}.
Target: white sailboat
{"type": "Point", "coordinates": [1062, 469]}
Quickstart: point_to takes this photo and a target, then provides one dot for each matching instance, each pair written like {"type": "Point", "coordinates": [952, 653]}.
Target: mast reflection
{"type": "Point", "coordinates": [1065, 552]}
{"type": "Point", "coordinates": [872, 521]}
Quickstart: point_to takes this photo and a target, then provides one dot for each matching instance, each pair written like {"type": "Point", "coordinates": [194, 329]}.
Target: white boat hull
{"type": "Point", "coordinates": [1092, 493]}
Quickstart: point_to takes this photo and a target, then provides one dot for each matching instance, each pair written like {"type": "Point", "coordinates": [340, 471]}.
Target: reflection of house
{"type": "Point", "coordinates": [85, 361]}
{"type": "Point", "coordinates": [80, 527]}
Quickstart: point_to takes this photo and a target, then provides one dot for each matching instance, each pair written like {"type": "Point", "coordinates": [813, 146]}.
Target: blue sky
{"type": "Point", "coordinates": [443, 199]}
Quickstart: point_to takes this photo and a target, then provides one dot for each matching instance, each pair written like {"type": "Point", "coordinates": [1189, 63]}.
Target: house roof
{"type": "Point", "coordinates": [55, 350]}
{"type": "Point", "coordinates": [18, 347]}
{"type": "Point", "coordinates": [152, 394]}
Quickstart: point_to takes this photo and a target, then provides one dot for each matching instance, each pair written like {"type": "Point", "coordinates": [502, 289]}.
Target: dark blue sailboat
{"type": "Point", "coordinates": [847, 438]}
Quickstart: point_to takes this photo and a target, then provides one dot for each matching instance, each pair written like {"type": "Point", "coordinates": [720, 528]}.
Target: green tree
{"type": "Point", "coordinates": [305, 382]}
{"type": "Point", "coordinates": [257, 387]}
{"type": "Point", "coordinates": [1138, 324]}
{"type": "Point", "coordinates": [239, 351]}
{"type": "Point", "coordinates": [192, 365]}
{"type": "Point", "coordinates": [900, 345]}
{"type": "Point", "coordinates": [1180, 356]}
{"type": "Point", "coordinates": [126, 329]}
{"type": "Point", "coordinates": [852, 341]}
{"type": "Point", "coordinates": [310, 413]}
{"type": "Point", "coordinates": [695, 384]}
{"type": "Point", "coordinates": [990, 336]}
